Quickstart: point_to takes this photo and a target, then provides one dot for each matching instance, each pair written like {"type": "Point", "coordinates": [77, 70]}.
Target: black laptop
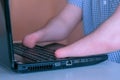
{"type": "Point", "coordinates": [41, 58]}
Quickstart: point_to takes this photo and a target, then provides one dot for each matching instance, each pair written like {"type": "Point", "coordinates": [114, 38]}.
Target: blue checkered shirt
{"type": "Point", "coordinates": [95, 12]}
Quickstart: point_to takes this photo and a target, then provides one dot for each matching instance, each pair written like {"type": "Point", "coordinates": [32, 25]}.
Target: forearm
{"type": "Point", "coordinates": [110, 26]}
{"type": "Point", "coordinates": [104, 39]}
{"type": "Point", "coordinates": [62, 25]}
{"type": "Point", "coordinates": [56, 29]}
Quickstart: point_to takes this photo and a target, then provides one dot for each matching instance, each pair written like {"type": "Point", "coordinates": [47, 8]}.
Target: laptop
{"type": "Point", "coordinates": [41, 58]}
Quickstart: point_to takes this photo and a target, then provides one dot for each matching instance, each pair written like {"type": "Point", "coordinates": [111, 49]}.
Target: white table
{"type": "Point", "coordinates": [103, 71]}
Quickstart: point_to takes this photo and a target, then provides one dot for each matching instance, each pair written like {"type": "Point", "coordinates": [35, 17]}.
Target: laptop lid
{"type": "Point", "coordinates": [6, 55]}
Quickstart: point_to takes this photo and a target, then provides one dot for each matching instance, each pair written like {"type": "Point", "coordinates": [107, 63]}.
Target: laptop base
{"type": "Point", "coordinates": [34, 61]}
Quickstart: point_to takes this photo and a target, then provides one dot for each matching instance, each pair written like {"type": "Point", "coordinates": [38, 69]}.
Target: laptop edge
{"type": "Point", "coordinates": [6, 54]}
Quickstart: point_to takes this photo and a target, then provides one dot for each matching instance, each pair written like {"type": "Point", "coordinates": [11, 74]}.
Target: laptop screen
{"type": "Point", "coordinates": [5, 34]}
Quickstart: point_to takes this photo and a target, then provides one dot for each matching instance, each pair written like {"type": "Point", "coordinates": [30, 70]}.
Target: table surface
{"type": "Point", "coordinates": [102, 71]}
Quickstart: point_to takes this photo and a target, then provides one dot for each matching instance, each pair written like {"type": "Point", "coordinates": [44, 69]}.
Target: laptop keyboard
{"type": "Point", "coordinates": [38, 53]}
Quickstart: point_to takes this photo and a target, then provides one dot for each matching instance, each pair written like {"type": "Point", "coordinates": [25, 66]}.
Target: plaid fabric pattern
{"type": "Point", "coordinates": [95, 12]}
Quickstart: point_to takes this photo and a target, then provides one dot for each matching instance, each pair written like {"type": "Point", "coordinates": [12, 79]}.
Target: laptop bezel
{"type": "Point", "coordinates": [9, 32]}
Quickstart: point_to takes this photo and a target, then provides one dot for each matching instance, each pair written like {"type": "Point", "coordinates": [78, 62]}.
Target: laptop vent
{"type": "Point", "coordinates": [42, 67]}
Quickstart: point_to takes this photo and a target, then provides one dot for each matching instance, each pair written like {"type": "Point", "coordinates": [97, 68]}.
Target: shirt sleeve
{"type": "Point", "coordinates": [77, 3]}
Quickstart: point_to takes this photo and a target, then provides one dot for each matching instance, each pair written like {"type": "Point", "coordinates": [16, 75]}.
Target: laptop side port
{"type": "Point", "coordinates": [69, 63]}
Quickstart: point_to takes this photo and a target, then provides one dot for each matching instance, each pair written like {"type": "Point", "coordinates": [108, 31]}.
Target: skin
{"type": "Point", "coordinates": [104, 39]}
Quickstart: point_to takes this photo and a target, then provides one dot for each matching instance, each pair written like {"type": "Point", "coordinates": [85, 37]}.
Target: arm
{"type": "Point", "coordinates": [62, 25]}
{"type": "Point", "coordinates": [58, 28]}
{"type": "Point", "coordinates": [105, 39]}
